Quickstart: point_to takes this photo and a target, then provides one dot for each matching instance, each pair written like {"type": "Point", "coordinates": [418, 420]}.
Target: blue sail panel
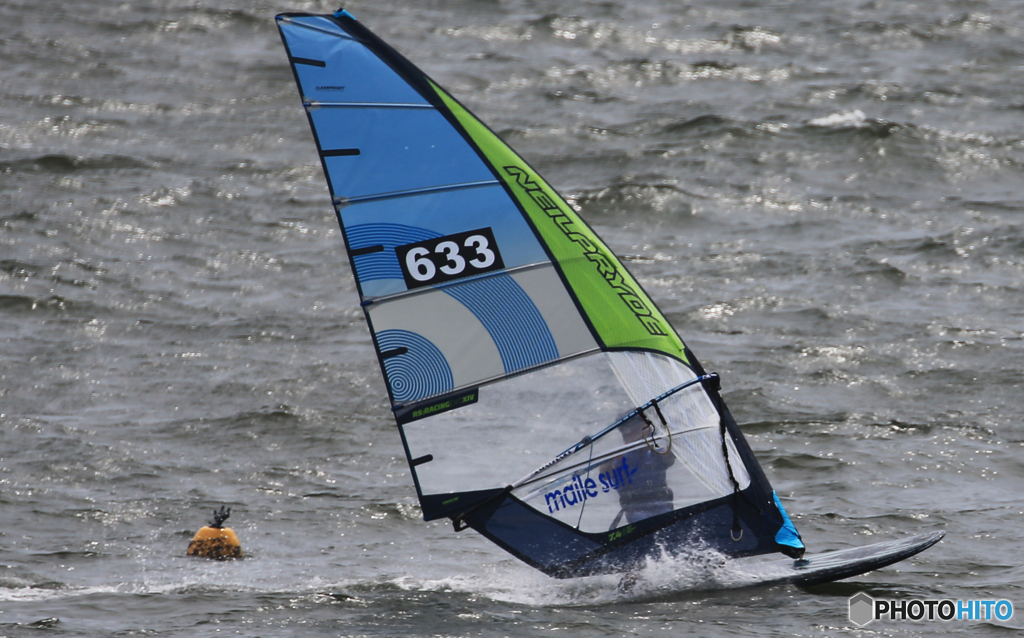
{"type": "Point", "coordinates": [390, 223]}
{"type": "Point", "coordinates": [377, 135]}
{"type": "Point", "coordinates": [375, 150]}
{"type": "Point", "coordinates": [374, 260]}
{"type": "Point", "coordinates": [331, 66]}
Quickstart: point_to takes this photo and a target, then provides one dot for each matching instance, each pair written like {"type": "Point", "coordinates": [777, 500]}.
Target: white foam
{"type": "Point", "coordinates": [693, 570]}
{"type": "Point", "coordinates": [846, 119]}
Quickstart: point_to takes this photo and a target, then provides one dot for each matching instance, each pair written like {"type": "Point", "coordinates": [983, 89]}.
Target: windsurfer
{"type": "Point", "coordinates": [646, 492]}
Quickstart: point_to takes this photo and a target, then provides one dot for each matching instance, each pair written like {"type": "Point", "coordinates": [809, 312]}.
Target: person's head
{"type": "Point", "coordinates": [632, 430]}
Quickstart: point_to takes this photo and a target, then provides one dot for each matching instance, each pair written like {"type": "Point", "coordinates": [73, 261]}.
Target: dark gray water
{"type": "Point", "coordinates": [824, 197]}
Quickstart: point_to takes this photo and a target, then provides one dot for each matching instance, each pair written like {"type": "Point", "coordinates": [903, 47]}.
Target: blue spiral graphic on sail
{"type": "Point", "coordinates": [382, 264]}
{"type": "Point", "coordinates": [422, 371]}
{"type": "Point", "coordinates": [510, 317]}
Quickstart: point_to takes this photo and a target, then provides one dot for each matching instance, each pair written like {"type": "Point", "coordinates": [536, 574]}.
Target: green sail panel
{"type": "Point", "coordinates": [617, 307]}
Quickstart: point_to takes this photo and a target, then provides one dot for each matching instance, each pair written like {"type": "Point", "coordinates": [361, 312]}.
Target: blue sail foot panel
{"type": "Point", "coordinates": [787, 537]}
{"type": "Point", "coordinates": [561, 551]}
{"type": "Point", "coordinates": [537, 540]}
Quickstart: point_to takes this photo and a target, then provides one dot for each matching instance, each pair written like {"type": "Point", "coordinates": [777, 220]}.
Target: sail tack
{"type": "Point", "coordinates": [541, 396]}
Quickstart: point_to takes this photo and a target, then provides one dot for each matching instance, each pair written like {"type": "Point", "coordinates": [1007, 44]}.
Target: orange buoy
{"type": "Point", "coordinates": [215, 540]}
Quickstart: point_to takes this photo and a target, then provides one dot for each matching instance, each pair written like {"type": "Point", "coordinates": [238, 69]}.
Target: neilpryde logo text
{"type": "Point", "coordinates": [864, 609]}
{"type": "Point", "coordinates": [580, 489]}
{"type": "Point", "coordinates": [606, 265]}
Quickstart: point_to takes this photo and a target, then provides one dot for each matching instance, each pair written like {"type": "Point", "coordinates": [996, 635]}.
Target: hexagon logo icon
{"type": "Point", "coordinates": [861, 609]}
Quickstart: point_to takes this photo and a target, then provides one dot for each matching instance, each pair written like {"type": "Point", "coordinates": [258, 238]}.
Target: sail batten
{"type": "Point", "coordinates": [482, 383]}
{"type": "Point", "coordinates": [441, 188]}
{"type": "Point", "coordinates": [541, 396]}
{"type": "Point", "coordinates": [311, 104]}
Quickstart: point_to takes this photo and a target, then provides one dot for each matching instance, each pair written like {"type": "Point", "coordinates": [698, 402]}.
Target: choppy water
{"type": "Point", "coordinates": [824, 197]}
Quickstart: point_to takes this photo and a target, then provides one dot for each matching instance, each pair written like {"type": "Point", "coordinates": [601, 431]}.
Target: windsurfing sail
{"type": "Point", "coordinates": [542, 398]}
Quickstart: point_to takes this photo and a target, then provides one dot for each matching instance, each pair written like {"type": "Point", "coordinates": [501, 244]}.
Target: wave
{"type": "Point", "coordinates": [25, 303]}
{"type": "Point", "coordinates": [60, 163]}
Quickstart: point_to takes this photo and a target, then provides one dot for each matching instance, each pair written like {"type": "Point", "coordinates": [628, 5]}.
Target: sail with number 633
{"type": "Point", "coordinates": [542, 398]}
